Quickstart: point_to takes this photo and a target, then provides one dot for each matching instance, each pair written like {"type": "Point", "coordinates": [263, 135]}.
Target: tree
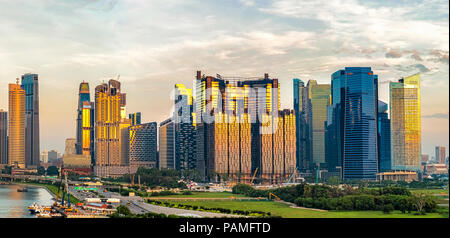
{"type": "Point", "coordinates": [388, 208]}
{"type": "Point", "coordinates": [419, 202]}
{"type": "Point", "coordinates": [41, 170]}
{"type": "Point", "coordinates": [124, 210]}
{"type": "Point", "coordinates": [334, 180]}
{"type": "Point", "coordinates": [52, 170]}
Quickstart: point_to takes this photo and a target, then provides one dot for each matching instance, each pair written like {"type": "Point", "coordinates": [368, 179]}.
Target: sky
{"type": "Point", "coordinates": [153, 45]}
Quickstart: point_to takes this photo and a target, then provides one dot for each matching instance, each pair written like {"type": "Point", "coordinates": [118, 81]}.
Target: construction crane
{"type": "Point", "coordinates": [276, 197]}
{"type": "Point", "coordinates": [253, 177]}
{"type": "Point", "coordinates": [57, 193]}
{"type": "Point", "coordinates": [65, 191]}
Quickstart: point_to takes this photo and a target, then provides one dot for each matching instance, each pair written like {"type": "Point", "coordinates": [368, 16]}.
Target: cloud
{"type": "Point", "coordinates": [439, 56]}
{"type": "Point", "coordinates": [393, 54]}
{"type": "Point", "coordinates": [413, 68]}
{"type": "Point", "coordinates": [436, 115]}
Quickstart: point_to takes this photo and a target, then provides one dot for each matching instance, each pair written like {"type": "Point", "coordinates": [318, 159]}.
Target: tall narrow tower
{"type": "Point", "coordinates": [16, 125]}
{"type": "Point", "coordinates": [85, 122]}
{"type": "Point", "coordinates": [32, 150]}
{"type": "Point", "coordinates": [405, 123]}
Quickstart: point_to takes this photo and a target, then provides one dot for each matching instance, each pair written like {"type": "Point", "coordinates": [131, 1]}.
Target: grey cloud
{"type": "Point", "coordinates": [393, 54]}
{"type": "Point", "coordinates": [439, 56]}
{"type": "Point", "coordinates": [437, 115]}
{"type": "Point", "coordinates": [414, 67]}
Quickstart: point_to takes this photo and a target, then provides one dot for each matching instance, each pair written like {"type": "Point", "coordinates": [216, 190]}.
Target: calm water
{"type": "Point", "coordinates": [15, 204]}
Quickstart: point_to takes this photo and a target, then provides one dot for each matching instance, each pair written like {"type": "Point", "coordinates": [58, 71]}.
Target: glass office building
{"type": "Point", "coordinates": [318, 97]}
{"type": "Point", "coordinates": [353, 108]}
{"type": "Point", "coordinates": [3, 137]}
{"type": "Point", "coordinates": [405, 123]}
{"type": "Point", "coordinates": [301, 111]}
{"type": "Point", "coordinates": [32, 150]}
{"type": "Point", "coordinates": [384, 138]}
{"type": "Point", "coordinates": [166, 158]}
{"type": "Point", "coordinates": [16, 126]}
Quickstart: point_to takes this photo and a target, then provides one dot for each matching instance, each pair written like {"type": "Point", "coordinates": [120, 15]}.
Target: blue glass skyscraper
{"type": "Point", "coordinates": [353, 123]}
{"type": "Point", "coordinates": [384, 138]}
{"type": "Point", "coordinates": [32, 151]}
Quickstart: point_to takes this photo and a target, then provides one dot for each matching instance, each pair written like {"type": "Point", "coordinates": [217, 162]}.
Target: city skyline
{"type": "Point", "coordinates": [415, 41]}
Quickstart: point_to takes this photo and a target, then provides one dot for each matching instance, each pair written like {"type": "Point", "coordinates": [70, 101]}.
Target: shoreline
{"type": "Point", "coordinates": [36, 186]}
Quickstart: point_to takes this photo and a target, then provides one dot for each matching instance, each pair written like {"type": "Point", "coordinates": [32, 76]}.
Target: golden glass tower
{"type": "Point", "coordinates": [318, 95]}
{"type": "Point", "coordinates": [405, 123]}
{"type": "Point", "coordinates": [109, 103]}
{"type": "Point", "coordinates": [16, 124]}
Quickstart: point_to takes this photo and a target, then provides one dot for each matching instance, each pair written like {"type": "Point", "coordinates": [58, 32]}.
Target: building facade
{"type": "Point", "coordinates": [85, 123]}
{"type": "Point", "coordinates": [352, 123]}
{"type": "Point", "coordinates": [167, 144]}
{"type": "Point", "coordinates": [384, 138]}
{"type": "Point", "coordinates": [440, 154]}
{"type": "Point", "coordinates": [109, 106]}
{"type": "Point", "coordinates": [16, 126]}
{"type": "Point", "coordinates": [318, 98]}
{"type": "Point", "coordinates": [135, 118]}
{"type": "Point", "coordinates": [301, 109]}
{"type": "Point", "coordinates": [241, 131]}
{"type": "Point", "coordinates": [30, 84]}
{"type": "Point", "coordinates": [69, 148]}
{"type": "Point", "coordinates": [142, 149]}
{"type": "Point", "coordinates": [185, 146]}
{"type": "Point", "coordinates": [405, 123]}
{"type": "Point", "coordinates": [3, 137]}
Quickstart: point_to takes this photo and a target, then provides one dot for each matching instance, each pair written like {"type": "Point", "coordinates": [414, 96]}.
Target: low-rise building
{"type": "Point", "coordinates": [406, 176]}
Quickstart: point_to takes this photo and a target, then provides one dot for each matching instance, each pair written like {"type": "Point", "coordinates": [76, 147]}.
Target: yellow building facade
{"type": "Point", "coordinates": [16, 126]}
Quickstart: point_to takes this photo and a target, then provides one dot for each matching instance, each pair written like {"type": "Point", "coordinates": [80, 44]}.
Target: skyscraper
{"type": "Point", "coordinates": [109, 103]}
{"type": "Point", "coordinates": [302, 139]}
{"type": "Point", "coordinates": [405, 123]}
{"type": "Point", "coordinates": [184, 128]}
{"type": "Point", "coordinates": [440, 154]}
{"type": "Point", "coordinates": [85, 123]}
{"type": "Point", "coordinates": [142, 145]}
{"type": "Point", "coordinates": [135, 118]}
{"type": "Point", "coordinates": [16, 126]}
{"type": "Point", "coordinates": [167, 144]}
{"type": "Point", "coordinates": [32, 150]}
{"type": "Point", "coordinates": [384, 138]}
{"type": "Point", "coordinates": [318, 97]}
{"type": "Point", "coordinates": [352, 123]}
{"type": "Point", "coordinates": [3, 137]}
{"type": "Point", "coordinates": [241, 129]}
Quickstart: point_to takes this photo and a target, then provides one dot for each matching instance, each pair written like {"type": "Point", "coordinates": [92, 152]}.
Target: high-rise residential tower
{"type": "Point", "coordinates": [109, 102]}
{"type": "Point", "coordinates": [241, 130]}
{"type": "Point", "coordinates": [384, 138]}
{"type": "Point", "coordinates": [352, 123]}
{"type": "Point", "coordinates": [184, 128]}
{"type": "Point", "coordinates": [3, 137]}
{"type": "Point", "coordinates": [85, 123]}
{"type": "Point", "coordinates": [32, 150]}
{"type": "Point", "coordinates": [405, 123]}
{"type": "Point", "coordinates": [440, 154]}
{"type": "Point", "coordinates": [16, 126]}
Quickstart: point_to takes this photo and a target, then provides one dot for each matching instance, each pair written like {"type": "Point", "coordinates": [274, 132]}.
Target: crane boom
{"type": "Point", "coordinates": [253, 177]}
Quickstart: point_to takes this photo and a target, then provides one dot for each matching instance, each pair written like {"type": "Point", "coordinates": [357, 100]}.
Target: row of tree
{"type": "Point", "coordinates": [346, 197]}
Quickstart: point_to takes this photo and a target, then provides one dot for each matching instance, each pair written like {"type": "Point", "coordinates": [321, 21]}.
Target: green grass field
{"type": "Point", "coordinates": [283, 210]}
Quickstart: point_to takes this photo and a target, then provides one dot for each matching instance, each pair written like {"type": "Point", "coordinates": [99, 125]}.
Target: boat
{"type": "Point", "coordinates": [22, 190]}
{"type": "Point", "coordinates": [34, 209]}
